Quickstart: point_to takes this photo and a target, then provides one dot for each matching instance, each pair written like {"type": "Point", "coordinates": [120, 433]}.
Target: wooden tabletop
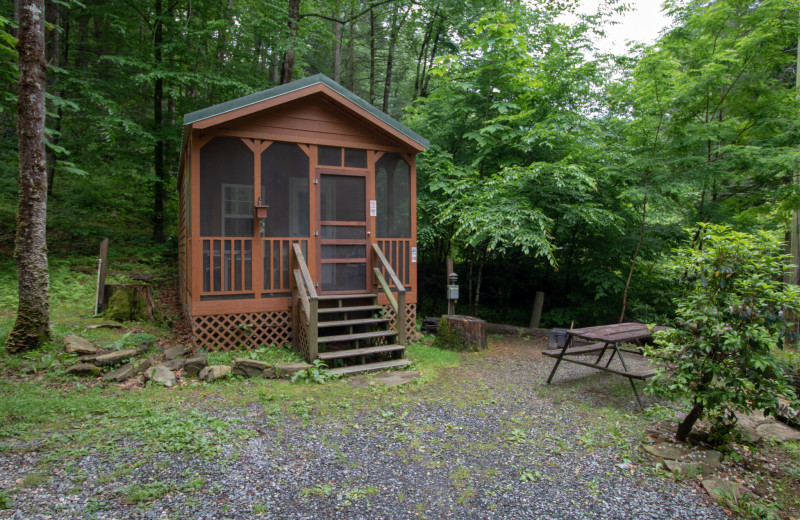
{"type": "Point", "coordinates": [615, 333]}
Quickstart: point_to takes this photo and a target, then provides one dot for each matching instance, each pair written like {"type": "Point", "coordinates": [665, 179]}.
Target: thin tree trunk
{"type": "Point", "coordinates": [158, 150]}
{"type": "Point", "coordinates": [685, 427]}
{"type": "Point", "coordinates": [372, 56]}
{"type": "Point", "coordinates": [398, 20]}
{"type": "Point", "coordinates": [337, 51]}
{"type": "Point", "coordinates": [32, 327]}
{"type": "Point", "coordinates": [287, 67]}
{"type": "Point", "coordinates": [351, 67]}
{"type": "Point", "coordinates": [52, 57]}
{"type": "Point", "coordinates": [638, 247]}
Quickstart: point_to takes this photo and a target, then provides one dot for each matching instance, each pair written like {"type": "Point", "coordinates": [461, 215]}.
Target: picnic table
{"type": "Point", "coordinates": [605, 338]}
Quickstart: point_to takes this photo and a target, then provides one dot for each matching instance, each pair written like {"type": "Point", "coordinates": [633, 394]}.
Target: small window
{"type": "Point", "coordinates": [355, 158]}
{"type": "Point", "coordinates": [237, 204]}
{"type": "Point", "coordinates": [330, 156]}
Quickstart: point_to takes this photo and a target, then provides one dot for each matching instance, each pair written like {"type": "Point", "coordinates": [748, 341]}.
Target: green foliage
{"type": "Point", "coordinates": [733, 313]}
{"type": "Point", "coordinates": [317, 373]}
{"type": "Point", "coordinates": [270, 354]}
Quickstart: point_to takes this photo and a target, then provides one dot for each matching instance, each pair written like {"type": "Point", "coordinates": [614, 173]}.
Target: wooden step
{"type": "Point", "coordinates": [358, 308]}
{"type": "Point", "coordinates": [359, 321]}
{"type": "Point", "coordinates": [360, 352]}
{"type": "Point", "coordinates": [370, 367]}
{"type": "Point", "coordinates": [357, 335]}
{"type": "Point", "coordinates": [329, 297]}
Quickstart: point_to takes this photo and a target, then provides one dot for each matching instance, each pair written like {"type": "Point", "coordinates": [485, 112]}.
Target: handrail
{"type": "Point", "coordinates": [309, 300]}
{"type": "Point", "coordinates": [399, 305]}
{"type": "Point", "coordinates": [301, 262]}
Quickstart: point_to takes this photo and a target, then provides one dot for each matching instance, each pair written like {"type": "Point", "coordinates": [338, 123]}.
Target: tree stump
{"type": "Point", "coordinates": [129, 302]}
{"type": "Point", "coordinates": [461, 333]}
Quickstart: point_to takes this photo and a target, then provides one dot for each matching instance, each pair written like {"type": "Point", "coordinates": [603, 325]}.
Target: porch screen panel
{"type": "Point", "coordinates": [393, 195]}
{"type": "Point", "coordinates": [226, 188]}
{"type": "Point", "coordinates": [284, 188]}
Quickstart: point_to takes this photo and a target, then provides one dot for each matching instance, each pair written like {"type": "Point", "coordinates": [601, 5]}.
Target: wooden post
{"type": "Point", "coordinates": [451, 306]}
{"type": "Point", "coordinates": [536, 315]}
{"type": "Point", "coordinates": [102, 262]}
{"type": "Point", "coordinates": [401, 318]}
{"type": "Point", "coordinates": [313, 331]}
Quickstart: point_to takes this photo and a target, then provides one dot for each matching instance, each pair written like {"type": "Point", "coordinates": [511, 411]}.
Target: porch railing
{"type": "Point", "coordinates": [398, 304]}
{"type": "Point", "coordinates": [305, 304]}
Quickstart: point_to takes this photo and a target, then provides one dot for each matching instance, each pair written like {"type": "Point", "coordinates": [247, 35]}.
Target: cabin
{"type": "Point", "coordinates": [297, 224]}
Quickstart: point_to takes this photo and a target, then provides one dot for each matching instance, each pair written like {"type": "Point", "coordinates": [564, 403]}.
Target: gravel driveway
{"type": "Point", "coordinates": [484, 440]}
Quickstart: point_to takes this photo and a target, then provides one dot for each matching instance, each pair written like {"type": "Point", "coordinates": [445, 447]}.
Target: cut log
{"type": "Point", "coordinates": [127, 302]}
{"type": "Point", "coordinates": [458, 332]}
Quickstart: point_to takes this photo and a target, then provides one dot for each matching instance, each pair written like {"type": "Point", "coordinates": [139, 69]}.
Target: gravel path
{"type": "Point", "coordinates": [486, 440]}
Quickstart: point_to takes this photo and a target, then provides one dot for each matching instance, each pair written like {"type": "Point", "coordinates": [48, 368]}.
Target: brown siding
{"type": "Point", "coordinates": [310, 120]}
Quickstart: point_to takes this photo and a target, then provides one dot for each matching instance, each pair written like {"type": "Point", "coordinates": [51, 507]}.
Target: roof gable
{"type": "Point", "coordinates": [317, 84]}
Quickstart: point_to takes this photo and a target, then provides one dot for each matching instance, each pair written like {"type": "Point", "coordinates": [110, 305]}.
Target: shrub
{"type": "Point", "coordinates": [731, 316]}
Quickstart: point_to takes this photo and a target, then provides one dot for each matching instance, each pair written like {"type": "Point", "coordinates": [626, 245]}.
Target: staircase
{"type": "Point", "coordinates": [349, 332]}
{"type": "Point", "coordinates": [354, 336]}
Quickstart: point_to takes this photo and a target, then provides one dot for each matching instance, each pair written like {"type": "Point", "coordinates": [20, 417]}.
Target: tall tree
{"type": "Point", "coordinates": [32, 327]}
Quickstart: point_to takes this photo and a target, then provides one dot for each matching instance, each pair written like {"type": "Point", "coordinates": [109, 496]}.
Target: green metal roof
{"type": "Point", "coordinates": [300, 84]}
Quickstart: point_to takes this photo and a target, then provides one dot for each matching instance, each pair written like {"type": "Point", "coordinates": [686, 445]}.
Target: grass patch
{"type": "Point", "coordinates": [270, 354]}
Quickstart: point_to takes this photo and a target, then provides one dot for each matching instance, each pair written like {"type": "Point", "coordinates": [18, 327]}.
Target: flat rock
{"type": "Point", "coordinates": [249, 367]}
{"type": "Point", "coordinates": [195, 364]}
{"type": "Point", "coordinates": [128, 370]}
{"type": "Point", "coordinates": [778, 432]}
{"type": "Point", "coordinates": [396, 378]}
{"type": "Point", "coordinates": [106, 325]}
{"type": "Point", "coordinates": [174, 364]}
{"type": "Point", "coordinates": [114, 358]}
{"type": "Point", "coordinates": [84, 369]}
{"type": "Point", "coordinates": [287, 370]}
{"type": "Point", "coordinates": [663, 450]}
{"type": "Point", "coordinates": [175, 352]}
{"type": "Point", "coordinates": [160, 374]}
{"type": "Point", "coordinates": [689, 468]}
{"type": "Point", "coordinates": [79, 345]}
{"type": "Point", "coordinates": [718, 488]}
{"type": "Point", "coordinates": [212, 373]}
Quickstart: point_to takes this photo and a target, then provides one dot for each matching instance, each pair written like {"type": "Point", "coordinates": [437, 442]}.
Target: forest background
{"type": "Point", "coordinates": [553, 167]}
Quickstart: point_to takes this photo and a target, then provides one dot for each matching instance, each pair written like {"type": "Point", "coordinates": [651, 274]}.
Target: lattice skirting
{"type": "Point", "coordinates": [411, 323]}
{"type": "Point", "coordinates": [242, 331]}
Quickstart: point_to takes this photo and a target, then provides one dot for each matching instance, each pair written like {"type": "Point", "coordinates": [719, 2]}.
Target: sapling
{"type": "Point", "coordinates": [733, 314]}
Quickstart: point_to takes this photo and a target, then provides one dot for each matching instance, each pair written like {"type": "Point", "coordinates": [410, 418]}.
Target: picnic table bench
{"type": "Point", "coordinates": [605, 337]}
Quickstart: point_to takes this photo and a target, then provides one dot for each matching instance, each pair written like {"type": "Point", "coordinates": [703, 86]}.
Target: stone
{"type": "Point", "coordinates": [663, 450]}
{"type": "Point", "coordinates": [79, 345]}
{"type": "Point", "coordinates": [718, 488]}
{"type": "Point", "coordinates": [395, 378]}
{"type": "Point", "coordinates": [249, 367]}
{"type": "Point", "coordinates": [212, 373]}
{"type": "Point", "coordinates": [689, 468]}
{"type": "Point", "coordinates": [128, 370]}
{"type": "Point", "coordinates": [287, 370]}
{"type": "Point", "coordinates": [175, 352]}
{"type": "Point", "coordinates": [84, 370]}
{"type": "Point", "coordinates": [174, 364]}
{"type": "Point", "coordinates": [160, 374]}
{"type": "Point", "coordinates": [107, 324]}
{"type": "Point", "coordinates": [195, 364]}
{"type": "Point", "coordinates": [269, 373]}
{"type": "Point", "coordinates": [778, 432]}
{"type": "Point", "coordinates": [114, 358]}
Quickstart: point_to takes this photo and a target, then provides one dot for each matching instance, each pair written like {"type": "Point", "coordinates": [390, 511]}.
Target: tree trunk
{"type": "Point", "coordinates": [481, 261]}
{"type": "Point", "coordinates": [32, 327]}
{"type": "Point", "coordinates": [158, 150]}
{"type": "Point", "coordinates": [351, 67]}
{"type": "Point", "coordinates": [52, 54]}
{"type": "Point", "coordinates": [635, 253]}
{"type": "Point", "coordinates": [287, 67]}
{"type": "Point", "coordinates": [467, 333]}
{"type": "Point", "coordinates": [337, 51]}
{"type": "Point", "coordinates": [371, 56]}
{"type": "Point", "coordinates": [685, 427]}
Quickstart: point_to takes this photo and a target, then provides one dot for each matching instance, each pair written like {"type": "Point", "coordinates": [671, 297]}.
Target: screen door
{"type": "Point", "coordinates": [343, 233]}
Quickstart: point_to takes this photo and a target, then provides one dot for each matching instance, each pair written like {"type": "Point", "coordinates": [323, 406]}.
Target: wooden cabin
{"type": "Point", "coordinates": [298, 225]}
